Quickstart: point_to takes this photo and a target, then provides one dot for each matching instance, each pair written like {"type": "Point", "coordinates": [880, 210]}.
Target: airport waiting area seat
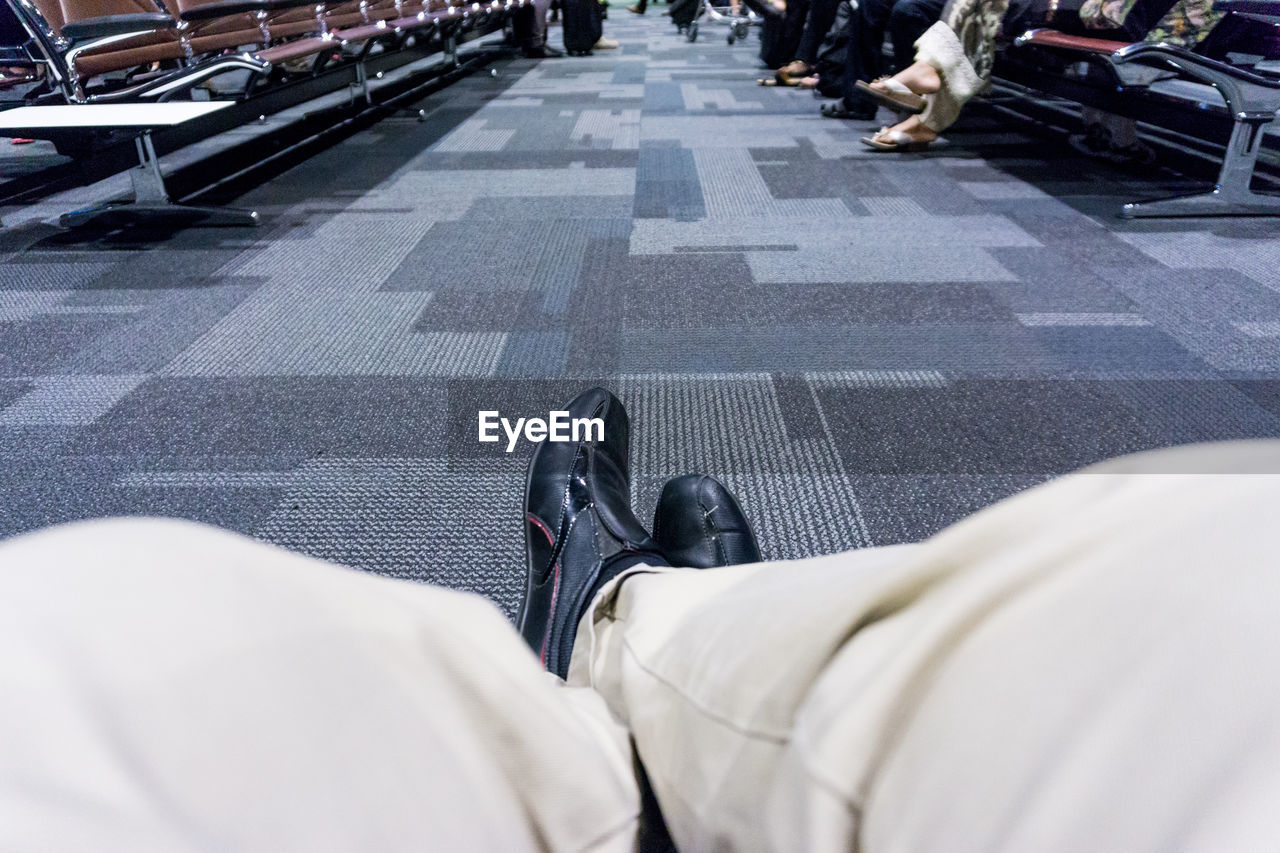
{"type": "Point", "coordinates": [1237, 71]}
{"type": "Point", "coordinates": [93, 73]}
{"type": "Point", "coordinates": [137, 50]}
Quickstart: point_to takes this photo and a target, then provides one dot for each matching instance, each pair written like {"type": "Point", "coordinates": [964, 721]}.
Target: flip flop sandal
{"type": "Point", "coordinates": [837, 109]}
{"type": "Point", "coordinates": [768, 81]}
{"type": "Point", "coordinates": [894, 140]}
{"type": "Point", "coordinates": [899, 98]}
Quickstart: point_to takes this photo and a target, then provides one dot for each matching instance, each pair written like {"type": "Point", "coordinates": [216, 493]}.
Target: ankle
{"type": "Point", "coordinates": [921, 78]}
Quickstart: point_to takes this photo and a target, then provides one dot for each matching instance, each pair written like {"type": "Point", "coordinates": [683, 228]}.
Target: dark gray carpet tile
{"type": "Point", "coordinates": [12, 389]}
{"type": "Point", "coordinates": [163, 270]}
{"type": "Point", "coordinates": [461, 310]}
{"type": "Point", "coordinates": [628, 72]}
{"type": "Point", "coordinates": [551, 207]}
{"type": "Point", "coordinates": [823, 178]}
{"type": "Point", "coordinates": [655, 304]}
{"type": "Point", "coordinates": [1187, 411]}
{"type": "Point", "coordinates": [1048, 280]}
{"type": "Point", "coordinates": [543, 255]}
{"type": "Point", "coordinates": [1083, 242]}
{"type": "Point", "coordinates": [661, 97]}
{"type": "Point", "coordinates": [667, 184]}
{"type": "Point", "coordinates": [1263, 392]}
{"type": "Point", "coordinates": [1012, 427]}
{"type": "Point", "coordinates": [450, 522]}
{"type": "Point", "coordinates": [912, 507]}
{"type": "Point", "coordinates": [547, 158]}
{"type": "Point", "coordinates": [36, 271]}
{"type": "Point", "coordinates": [594, 314]}
{"type": "Point", "coordinates": [532, 354]}
{"type": "Point", "coordinates": [1117, 349]}
{"type": "Point", "coordinates": [1221, 315]}
{"type": "Point", "coordinates": [28, 443]}
{"type": "Point", "coordinates": [40, 344]}
{"type": "Point", "coordinates": [41, 490]}
{"type": "Point", "coordinates": [798, 405]}
{"type": "Point", "coordinates": [294, 417]}
{"type": "Point", "coordinates": [147, 341]}
{"type": "Point", "coordinates": [38, 503]}
{"type": "Point", "coordinates": [922, 179]}
{"type": "Point", "coordinates": [543, 130]}
{"type": "Point", "coordinates": [1000, 349]}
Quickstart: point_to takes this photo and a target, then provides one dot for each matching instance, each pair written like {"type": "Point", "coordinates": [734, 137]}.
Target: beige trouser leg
{"type": "Point", "coordinates": [166, 687]}
{"type": "Point", "coordinates": [1087, 667]}
{"type": "Point", "coordinates": [1090, 666]}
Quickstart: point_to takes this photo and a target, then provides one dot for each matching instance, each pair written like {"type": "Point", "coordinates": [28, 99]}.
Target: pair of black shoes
{"type": "Point", "coordinates": [580, 531]}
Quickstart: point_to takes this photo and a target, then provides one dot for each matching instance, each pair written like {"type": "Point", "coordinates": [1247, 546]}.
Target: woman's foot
{"type": "Point", "coordinates": [793, 72]}
{"type": "Point", "coordinates": [920, 77]}
{"type": "Point", "coordinates": [905, 91]}
{"type": "Point", "coordinates": [908, 135]}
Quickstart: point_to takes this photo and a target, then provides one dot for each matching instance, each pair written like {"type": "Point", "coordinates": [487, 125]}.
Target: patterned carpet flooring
{"type": "Point", "coordinates": [866, 346]}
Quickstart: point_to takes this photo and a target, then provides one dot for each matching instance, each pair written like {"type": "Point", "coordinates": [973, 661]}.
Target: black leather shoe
{"type": "Point", "coordinates": [699, 525]}
{"type": "Point", "coordinates": [579, 528]}
{"type": "Point", "coordinates": [544, 51]}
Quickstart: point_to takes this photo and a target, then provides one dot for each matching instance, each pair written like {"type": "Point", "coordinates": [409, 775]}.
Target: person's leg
{"type": "Point", "coordinates": [531, 30]}
{"type": "Point", "coordinates": [168, 686]}
{"type": "Point", "coordinates": [821, 15]}
{"type": "Point", "coordinates": [1086, 666]}
{"type": "Point", "coordinates": [865, 58]}
{"type": "Point", "coordinates": [907, 22]}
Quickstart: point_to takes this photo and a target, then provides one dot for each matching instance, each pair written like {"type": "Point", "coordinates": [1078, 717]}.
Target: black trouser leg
{"type": "Point", "coordinates": [866, 42]}
{"type": "Point", "coordinates": [907, 22]}
{"type": "Point", "coordinates": [821, 15]}
{"type": "Point", "coordinates": [529, 24]}
{"type": "Point", "coordinates": [793, 26]}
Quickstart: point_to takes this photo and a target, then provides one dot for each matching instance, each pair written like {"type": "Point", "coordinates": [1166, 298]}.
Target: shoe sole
{"type": "Point", "coordinates": [895, 102]}
{"type": "Point", "coordinates": [524, 523]}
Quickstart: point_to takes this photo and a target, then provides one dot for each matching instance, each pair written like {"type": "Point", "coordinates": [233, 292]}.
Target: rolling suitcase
{"type": "Point", "coordinates": [581, 25]}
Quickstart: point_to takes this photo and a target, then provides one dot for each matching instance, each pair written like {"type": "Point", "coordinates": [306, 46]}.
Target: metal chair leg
{"type": "Point", "coordinates": [151, 201]}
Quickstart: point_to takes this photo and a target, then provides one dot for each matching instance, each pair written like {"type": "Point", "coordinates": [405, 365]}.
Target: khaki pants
{"type": "Point", "coordinates": [1089, 666]}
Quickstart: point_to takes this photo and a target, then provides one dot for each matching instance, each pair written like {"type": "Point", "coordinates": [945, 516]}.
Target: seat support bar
{"type": "Point", "coordinates": [151, 201]}
{"type": "Point", "coordinates": [1232, 195]}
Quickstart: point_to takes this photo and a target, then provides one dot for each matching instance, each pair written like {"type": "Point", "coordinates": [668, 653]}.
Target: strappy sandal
{"type": "Point", "coordinates": [792, 73]}
{"type": "Point", "coordinates": [899, 98]}
{"type": "Point", "coordinates": [890, 140]}
{"type": "Point", "coordinates": [895, 140]}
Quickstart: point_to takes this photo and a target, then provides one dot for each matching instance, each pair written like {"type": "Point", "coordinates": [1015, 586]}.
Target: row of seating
{"type": "Point", "coordinates": [84, 51]}
{"type": "Point", "coordinates": [1234, 73]}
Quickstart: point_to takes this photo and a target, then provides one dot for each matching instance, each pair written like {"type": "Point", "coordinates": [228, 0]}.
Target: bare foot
{"type": "Point", "coordinates": [920, 77]}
